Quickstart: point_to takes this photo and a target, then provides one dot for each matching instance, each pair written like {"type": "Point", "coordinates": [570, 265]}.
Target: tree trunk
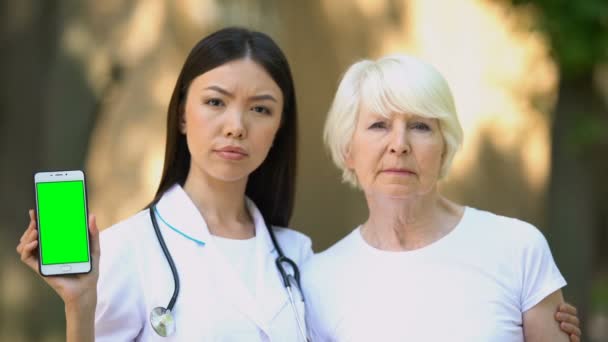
{"type": "Point", "coordinates": [573, 212]}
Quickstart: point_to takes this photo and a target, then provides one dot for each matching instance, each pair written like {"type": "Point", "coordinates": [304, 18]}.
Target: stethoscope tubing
{"type": "Point", "coordinates": [299, 322]}
{"type": "Point", "coordinates": [167, 254]}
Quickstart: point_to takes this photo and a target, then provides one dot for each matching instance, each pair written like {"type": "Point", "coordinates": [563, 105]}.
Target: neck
{"type": "Point", "coordinates": [398, 224]}
{"type": "Point", "coordinates": [222, 205]}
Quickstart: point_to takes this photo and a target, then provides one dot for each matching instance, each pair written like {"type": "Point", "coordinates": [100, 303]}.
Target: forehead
{"type": "Point", "coordinates": [365, 112]}
{"type": "Point", "coordinates": [393, 103]}
{"type": "Point", "coordinates": [239, 75]}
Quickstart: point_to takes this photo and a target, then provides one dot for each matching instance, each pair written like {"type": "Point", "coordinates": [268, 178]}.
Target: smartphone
{"type": "Point", "coordinates": [63, 232]}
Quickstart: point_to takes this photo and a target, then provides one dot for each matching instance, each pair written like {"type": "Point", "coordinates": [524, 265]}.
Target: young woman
{"type": "Point", "coordinates": [225, 195]}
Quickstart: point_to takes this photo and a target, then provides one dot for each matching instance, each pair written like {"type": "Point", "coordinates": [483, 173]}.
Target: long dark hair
{"type": "Point", "coordinates": [272, 185]}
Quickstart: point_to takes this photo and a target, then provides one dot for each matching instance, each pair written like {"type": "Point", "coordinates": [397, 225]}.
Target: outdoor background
{"type": "Point", "coordinates": [85, 84]}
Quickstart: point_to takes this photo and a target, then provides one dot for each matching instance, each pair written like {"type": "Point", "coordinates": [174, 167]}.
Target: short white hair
{"type": "Point", "coordinates": [391, 84]}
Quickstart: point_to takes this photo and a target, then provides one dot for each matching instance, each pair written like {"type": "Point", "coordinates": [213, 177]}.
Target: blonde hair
{"type": "Point", "coordinates": [392, 84]}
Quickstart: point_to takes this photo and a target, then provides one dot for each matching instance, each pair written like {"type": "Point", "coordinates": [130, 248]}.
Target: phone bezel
{"type": "Point", "coordinates": [66, 268]}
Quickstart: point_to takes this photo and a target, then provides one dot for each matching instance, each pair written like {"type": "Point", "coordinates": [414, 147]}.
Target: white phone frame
{"type": "Point", "coordinates": [66, 268]}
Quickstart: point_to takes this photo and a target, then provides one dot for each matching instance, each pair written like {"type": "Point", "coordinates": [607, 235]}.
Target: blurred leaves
{"type": "Point", "coordinates": [578, 35]}
{"type": "Point", "coordinates": [577, 30]}
{"type": "Point", "coordinates": [588, 132]}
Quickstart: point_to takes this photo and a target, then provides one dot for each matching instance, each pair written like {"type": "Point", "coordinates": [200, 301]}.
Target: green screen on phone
{"type": "Point", "coordinates": [62, 222]}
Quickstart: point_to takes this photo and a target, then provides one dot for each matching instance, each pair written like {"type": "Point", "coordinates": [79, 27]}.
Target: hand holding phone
{"type": "Point", "coordinates": [72, 288]}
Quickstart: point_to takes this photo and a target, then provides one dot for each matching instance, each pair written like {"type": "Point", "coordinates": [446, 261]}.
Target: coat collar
{"type": "Point", "coordinates": [177, 210]}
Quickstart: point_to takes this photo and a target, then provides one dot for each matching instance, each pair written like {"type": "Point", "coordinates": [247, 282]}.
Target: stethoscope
{"type": "Point", "coordinates": [161, 318]}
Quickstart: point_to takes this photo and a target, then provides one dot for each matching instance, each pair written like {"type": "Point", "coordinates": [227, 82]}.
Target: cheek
{"type": "Point", "coordinates": [431, 157]}
{"type": "Point", "coordinates": [363, 159]}
{"type": "Point", "coordinates": [265, 135]}
{"type": "Point", "coordinates": [267, 140]}
{"type": "Point", "coordinates": [200, 132]}
{"type": "Point", "coordinates": [198, 129]}
{"type": "Point", "coordinates": [193, 118]}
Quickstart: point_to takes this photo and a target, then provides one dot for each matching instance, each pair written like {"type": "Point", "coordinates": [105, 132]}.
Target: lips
{"type": "Point", "coordinates": [231, 152]}
{"type": "Point", "coordinates": [399, 171]}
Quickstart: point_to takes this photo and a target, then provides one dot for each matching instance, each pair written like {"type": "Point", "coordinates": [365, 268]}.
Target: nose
{"type": "Point", "coordinates": [235, 126]}
{"type": "Point", "coordinates": [399, 143]}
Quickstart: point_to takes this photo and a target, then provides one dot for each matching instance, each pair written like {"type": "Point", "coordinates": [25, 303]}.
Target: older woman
{"type": "Point", "coordinates": [421, 267]}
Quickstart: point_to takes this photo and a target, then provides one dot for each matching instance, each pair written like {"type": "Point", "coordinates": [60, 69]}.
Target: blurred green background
{"type": "Point", "coordinates": [85, 84]}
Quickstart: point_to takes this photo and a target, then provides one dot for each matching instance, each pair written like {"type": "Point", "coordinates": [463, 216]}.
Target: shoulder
{"type": "Point", "coordinates": [343, 248]}
{"type": "Point", "coordinates": [122, 234]}
{"type": "Point", "coordinates": [291, 237]}
{"type": "Point", "coordinates": [498, 227]}
{"type": "Point", "coordinates": [334, 258]}
{"type": "Point", "coordinates": [127, 225]}
{"type": "Point", "coordinates": [503, 240]}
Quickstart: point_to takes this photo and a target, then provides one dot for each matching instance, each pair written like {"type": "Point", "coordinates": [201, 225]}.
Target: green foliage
{"type": "Point", "coordinates": [577, 30]}
{"type": "Point", "coordinates": [588, 131]}
{"type": "Point", "coordinates": [599, 294]}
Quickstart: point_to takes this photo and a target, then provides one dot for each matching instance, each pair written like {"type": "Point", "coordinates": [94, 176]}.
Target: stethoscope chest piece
{"type": "Point", "coordinates": [162, 321]}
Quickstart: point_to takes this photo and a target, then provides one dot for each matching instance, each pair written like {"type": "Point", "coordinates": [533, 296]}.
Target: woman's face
{"type": "Point", "coordinates": [230, 119]}
{"type": "Point", "coordinates": [398, 157]}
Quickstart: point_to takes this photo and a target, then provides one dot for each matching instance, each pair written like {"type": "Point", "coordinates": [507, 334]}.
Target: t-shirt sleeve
{"type": "Point", "coordinates": [119, 313]}
{"type": "Point", "coordinates": [541, 277]}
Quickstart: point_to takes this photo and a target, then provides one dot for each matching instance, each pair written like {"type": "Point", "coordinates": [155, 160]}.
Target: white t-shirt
{"type": "Point", "coordinates": [471, 285]}
{"type": "Point", "coordinates": [241, 255]}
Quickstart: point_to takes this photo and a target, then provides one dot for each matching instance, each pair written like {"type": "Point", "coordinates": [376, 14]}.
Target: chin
{"type": "Point", "coordinates": [399, 196]}
{"type": "Point", "coordinates": [398, 192]}
{"type": "Point", "coordinates": [231, 179]}
{"type": "Point", "coordinates": [393, 193]}
{"type": "Point", "coordinates": [230, 175]}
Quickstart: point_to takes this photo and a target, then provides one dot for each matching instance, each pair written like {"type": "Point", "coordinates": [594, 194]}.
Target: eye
{"type": "Point", "coordinates": [377, 125]}
{"type": "Point", "coordinates": [261, 110]}
{"type": "Point", "coordinates": [214, 102]}
{"type": "Point", "coordinates": [421, 126]}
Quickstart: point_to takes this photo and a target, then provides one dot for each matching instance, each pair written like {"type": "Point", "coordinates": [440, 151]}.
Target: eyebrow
{"type": "Point", "coordinates": [229, 94]}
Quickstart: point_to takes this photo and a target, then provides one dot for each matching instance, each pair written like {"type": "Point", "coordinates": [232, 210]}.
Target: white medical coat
{"type": "Point", "coordinates": [213, 303]}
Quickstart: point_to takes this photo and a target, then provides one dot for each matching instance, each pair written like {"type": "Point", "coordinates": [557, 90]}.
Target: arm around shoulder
{"type": "Point", "coordinates": [539, 322]}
